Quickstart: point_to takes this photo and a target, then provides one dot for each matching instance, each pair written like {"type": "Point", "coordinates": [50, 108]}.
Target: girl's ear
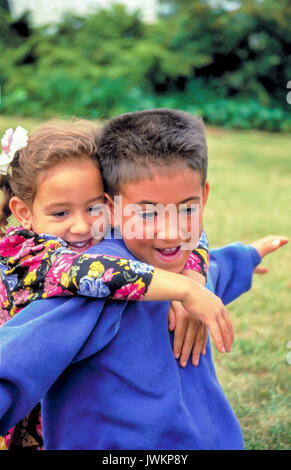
{"type": "Point", "coordinates": [21, 212]}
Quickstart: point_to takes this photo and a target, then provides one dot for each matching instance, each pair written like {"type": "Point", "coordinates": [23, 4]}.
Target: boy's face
{"type": "Point", "coordinates": [165, 239]}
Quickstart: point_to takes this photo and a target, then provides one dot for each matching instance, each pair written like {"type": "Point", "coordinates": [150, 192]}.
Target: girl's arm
{"type": "Point", "coordinates": [41, 266]}
{"type": "Point", "coordinates": [198, 262]}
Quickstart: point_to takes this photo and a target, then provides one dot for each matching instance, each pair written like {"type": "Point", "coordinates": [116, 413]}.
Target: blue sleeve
{"type": "Point", "coordinates": [231, 270]}
{"type": "Point", "coordinates": [41, 341]}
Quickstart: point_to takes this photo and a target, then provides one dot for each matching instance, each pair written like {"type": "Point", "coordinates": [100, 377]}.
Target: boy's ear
{"type": "Point", "coordinates": [205, 193]}
{"type": "Point", "coordinates": [21, 212]}
{"type": "Point", "coordinates": [109, 202]}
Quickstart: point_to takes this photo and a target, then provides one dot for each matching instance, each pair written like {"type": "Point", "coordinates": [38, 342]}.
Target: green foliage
{"type": "Point", "coordinates": [231, 67]}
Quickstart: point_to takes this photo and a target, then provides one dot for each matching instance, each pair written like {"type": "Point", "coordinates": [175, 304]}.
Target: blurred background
{"type": "Point", "coordinates": [225, 60]}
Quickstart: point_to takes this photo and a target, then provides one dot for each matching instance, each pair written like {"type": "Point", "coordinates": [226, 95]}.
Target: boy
{"type": "Point", "coordinates": [125, 390]}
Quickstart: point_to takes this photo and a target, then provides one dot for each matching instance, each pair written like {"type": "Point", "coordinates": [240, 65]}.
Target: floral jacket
{"type": "Point", "coordinates": [34, 267]}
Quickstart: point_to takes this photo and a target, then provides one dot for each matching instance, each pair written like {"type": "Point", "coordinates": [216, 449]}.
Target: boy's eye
{"type": "Point", "coordinates": [188, 210]}
{"type": "Point", "coordinates": [92, 210]}
{"type": "Point", "coordinates": [148, 215]}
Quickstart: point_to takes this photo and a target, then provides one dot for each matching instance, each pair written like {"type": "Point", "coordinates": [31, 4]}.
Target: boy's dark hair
{"type": "Point", "coordinates": [134, 144]}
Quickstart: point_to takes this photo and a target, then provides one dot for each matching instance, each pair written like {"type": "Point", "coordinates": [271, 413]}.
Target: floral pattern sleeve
{"type": "Point", "coordinates": [199, 259]}
{"type": "Point", "coordinates": [34, 267]}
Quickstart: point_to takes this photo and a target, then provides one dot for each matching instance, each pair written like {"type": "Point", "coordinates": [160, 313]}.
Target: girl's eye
{"type": "Point", "coordinates": [97, 209]}
{"type": "Point", "coordinates": [60, 214]}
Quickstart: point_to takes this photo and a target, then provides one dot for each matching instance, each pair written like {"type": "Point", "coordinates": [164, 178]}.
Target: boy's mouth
{"type": "Point", "coordinates": [80, 246]}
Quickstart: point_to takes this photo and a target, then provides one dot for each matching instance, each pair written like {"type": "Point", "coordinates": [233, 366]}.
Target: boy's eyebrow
{"type": "Point", "coordinates": [192, 198]}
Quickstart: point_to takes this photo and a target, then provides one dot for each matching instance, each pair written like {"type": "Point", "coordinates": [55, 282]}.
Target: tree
{"type": "Point", "coordinates": [4, 5]}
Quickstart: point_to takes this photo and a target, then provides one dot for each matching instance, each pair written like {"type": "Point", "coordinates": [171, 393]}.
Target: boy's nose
{"type": "Point", "coordinates": [168, 229]}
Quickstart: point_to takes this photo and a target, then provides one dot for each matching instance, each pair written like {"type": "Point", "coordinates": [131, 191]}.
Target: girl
{"type": "Point", "coordinates": [52, 184]}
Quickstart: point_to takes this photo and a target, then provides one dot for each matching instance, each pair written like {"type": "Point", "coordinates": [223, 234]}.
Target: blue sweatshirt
{"type": "Point", "coordinates": [107, 372]}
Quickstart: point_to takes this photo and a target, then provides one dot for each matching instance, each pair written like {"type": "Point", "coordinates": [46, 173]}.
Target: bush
{"type": "Point", "coordinates": [199, 58]}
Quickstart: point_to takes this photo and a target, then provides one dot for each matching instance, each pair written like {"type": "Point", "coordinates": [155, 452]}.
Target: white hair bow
{"type": "Point", "coordinates": [12, 141]}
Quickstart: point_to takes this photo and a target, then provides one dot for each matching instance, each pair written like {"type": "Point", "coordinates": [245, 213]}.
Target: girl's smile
{"type": "Point", "coordinates": [82, 246]}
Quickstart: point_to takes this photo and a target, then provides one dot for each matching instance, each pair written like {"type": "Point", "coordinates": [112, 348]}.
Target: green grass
{"type": "Point", "coordinates": [250, 177]}
{"type": "Point", "coordinates": [250, 197]}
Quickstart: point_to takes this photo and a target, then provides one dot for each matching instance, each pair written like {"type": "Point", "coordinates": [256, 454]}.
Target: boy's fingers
{"type": "Point", "coordinates": [269, 244]}
{"type": "Point", "coordinates": [179, 335]}
{"type": "Point", "coordinates": [261, 270]}
{"type": "Point", "coordinates": [189, 339]}
{"type": "Point", "coordinates": [171, 319]}
{"type": "Point", "coordinates": [275, 243]}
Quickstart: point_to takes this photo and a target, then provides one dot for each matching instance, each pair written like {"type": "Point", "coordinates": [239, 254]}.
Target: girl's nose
{"type": "Point", "coordinates": [81, 225]}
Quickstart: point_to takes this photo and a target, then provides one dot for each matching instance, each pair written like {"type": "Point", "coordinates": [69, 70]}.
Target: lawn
{"type": "Point", "coordinates": [250, 178]}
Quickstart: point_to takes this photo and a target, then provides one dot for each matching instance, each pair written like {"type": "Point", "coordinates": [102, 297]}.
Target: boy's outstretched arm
{"type": "Point", "coordinates": [231, 267]}
{"type": "Point", "coordinates": [267, 245]}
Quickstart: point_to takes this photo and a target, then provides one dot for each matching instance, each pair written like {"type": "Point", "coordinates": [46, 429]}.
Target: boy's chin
{"type": "Point", "coordinates": [173, 262]}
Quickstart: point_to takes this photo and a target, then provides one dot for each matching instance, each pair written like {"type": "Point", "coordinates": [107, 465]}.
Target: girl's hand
{"type": "Point", "coordinates": [267, 245]}
{"type": "Point", "coordinates": [197, 300]}
{"type": "Point", "coordinates": [190, 334]}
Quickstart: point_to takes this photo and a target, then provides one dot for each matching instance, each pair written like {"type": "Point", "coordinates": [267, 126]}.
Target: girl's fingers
{"type": "Point", "coordinates": [226, 330]}
{"type": "Point", "coordinates": [221, 330]}
{"type": "Point", "coordinates": [205, 337]}
{"type": "Point", "coordinates": [198, 344]}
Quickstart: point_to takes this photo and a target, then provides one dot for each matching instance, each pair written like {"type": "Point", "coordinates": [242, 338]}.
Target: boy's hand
{"type": "Point", "coordinates": [267, 245]}
{"type": "Point", "coordinates": [190, 335]}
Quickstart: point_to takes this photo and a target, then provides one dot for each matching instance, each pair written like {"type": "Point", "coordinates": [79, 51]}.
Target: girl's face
{"type": "Point", "coordinates": [64, 203]}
